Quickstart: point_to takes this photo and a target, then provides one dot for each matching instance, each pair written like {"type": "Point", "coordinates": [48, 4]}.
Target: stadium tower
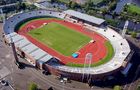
{"type": "Point", "coordinates": [87, 64]}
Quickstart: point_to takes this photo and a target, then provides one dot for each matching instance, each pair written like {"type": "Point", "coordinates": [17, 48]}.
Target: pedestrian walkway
{"type": "Point", "coordinates": [4, 72]}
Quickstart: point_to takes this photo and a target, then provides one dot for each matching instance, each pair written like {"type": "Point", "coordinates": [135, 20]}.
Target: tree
{"type": "Point", "coordinates": [73, 5]}
{"type": "Point", "coordinates": [114, 15]}
{"type": "Point", "coordinates": [52, 1]}
{"type": "Point", "coordinates": [69, 4]}
{"type": "Point", "coordinates": [106, 1]}
{"type": "Point", "coordinates": [112, 6]}
{"type": "Point", "coordinates": [23, 6]}
{"type": "Point", "coordinates": [33, 86]}
{"type": "Point", "coordinates": [104, 12]}
{"type": "Point", "coordinates": [88, 5]}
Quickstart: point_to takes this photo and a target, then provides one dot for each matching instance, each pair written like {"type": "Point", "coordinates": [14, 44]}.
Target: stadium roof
{"type": "Point", "coordinates": [85, 17]}
{"type": "Point", "coordinates": [28, 47]}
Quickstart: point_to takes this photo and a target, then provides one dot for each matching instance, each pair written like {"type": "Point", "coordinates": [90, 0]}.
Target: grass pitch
{"type": "Point", "coordinates": [60, 38]}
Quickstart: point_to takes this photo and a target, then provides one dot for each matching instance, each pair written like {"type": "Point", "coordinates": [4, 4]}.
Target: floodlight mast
{"type": "Point", "coordinates": [125, 28]}
{"type": "Point", "coordinates": [87, 65]}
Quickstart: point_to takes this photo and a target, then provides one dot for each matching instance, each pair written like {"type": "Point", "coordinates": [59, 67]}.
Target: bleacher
{"type": "Point", "coordinates": [120, 45]}
{"type": "Point", "coordinates": [11, 22]}
{"type": "Point", "coordinates": [28, 48]}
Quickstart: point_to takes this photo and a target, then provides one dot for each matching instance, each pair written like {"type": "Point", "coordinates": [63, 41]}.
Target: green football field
{"type": "Point", "coordinates": [60, 38]}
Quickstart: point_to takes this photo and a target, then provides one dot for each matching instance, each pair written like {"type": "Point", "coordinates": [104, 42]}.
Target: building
{"type": "Point", "coordinates": [44, 60]}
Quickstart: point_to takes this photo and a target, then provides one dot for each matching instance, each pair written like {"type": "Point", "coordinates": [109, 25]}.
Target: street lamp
{"type": "Point", "coordinates": [125, 28]}
{"type": "Point", "coordinates": [88, 60]}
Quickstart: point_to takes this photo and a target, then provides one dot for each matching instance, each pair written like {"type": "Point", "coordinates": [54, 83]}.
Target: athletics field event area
{"type": "Point", "coordinates": [62, 39]}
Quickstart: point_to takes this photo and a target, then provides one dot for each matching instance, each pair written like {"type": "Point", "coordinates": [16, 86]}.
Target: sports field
{"type": "Point", "coordinates": [60, 38]}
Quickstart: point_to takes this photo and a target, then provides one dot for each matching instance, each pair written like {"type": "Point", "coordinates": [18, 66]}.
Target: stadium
{"type": "Point", "coordinates": [69, 44]}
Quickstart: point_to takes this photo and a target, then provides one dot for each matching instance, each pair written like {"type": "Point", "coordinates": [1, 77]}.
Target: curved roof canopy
{"type": "Point", "coordinates": [85, 17]}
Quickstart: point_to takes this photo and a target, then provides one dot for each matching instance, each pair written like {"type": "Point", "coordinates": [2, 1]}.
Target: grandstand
{"type": "Point", "coordinates": [85, 19]}
{"type": "Point", "coordinates": [42, 59]}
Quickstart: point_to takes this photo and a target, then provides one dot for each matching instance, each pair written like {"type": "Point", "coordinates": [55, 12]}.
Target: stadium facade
{"type": "Point", "coordinates": [43, 60]}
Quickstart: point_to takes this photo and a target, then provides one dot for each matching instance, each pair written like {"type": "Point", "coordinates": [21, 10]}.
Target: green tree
{"type": "Point", "coordinates": [112, 6]}
{"type": "Point", "coordinates": [104, 12]}
{"type": "Point", "coordinates": [52, 1]}
{"type": "Point", "coordinates": [91, 12]}
{"type": "Point", "coordinates": [33, 86]}
{"type": "Point", "coordinates": [88, 5]}
{"type": "Point", "coordinates": [73, 5]}
{"type": "Point", "coordinates": [69, 4]}
{"type": "Point", "coordinates": [23, 6]}
{"type": "Point", "coordinates": [114, 15]}
{"type": "Point", "coordinates": [18, 6]}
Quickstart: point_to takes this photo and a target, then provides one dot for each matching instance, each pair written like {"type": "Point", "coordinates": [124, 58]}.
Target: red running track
{"type": "Point", "coordinates": [98, 48]}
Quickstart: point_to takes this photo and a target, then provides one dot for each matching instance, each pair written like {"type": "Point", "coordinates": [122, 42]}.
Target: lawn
{"type": "Point", "coordinates": [133, 9]}
{"type": "Point", "coordinates": [60, 38]}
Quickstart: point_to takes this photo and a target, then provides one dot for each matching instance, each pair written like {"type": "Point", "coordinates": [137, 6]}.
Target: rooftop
{"type": "Point", "coordinates": [85, 17]}
{"type": "Point", "coordinates": [28, 47]}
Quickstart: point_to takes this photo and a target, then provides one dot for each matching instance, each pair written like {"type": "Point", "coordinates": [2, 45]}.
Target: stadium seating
{"type": "Point", "coordinates": [120, 45]}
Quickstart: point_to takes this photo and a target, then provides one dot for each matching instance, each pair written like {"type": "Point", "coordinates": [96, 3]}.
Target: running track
{"type": "Point", "coordinates": [98, 49]}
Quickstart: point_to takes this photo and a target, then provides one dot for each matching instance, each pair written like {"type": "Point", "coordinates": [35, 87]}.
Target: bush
{"type": "Point", "coordinates": [134, 34]}
{"type": "Point", "coordinates": [112, 22]}
{"type": "Point", "coordinates": [117, 87]}
{"type": "Point", "coordinates": [112, 6]}
{"type": "Point", "coordinates": [33, 86]}
{"type": "Point", "coordinates": [138, 88]}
